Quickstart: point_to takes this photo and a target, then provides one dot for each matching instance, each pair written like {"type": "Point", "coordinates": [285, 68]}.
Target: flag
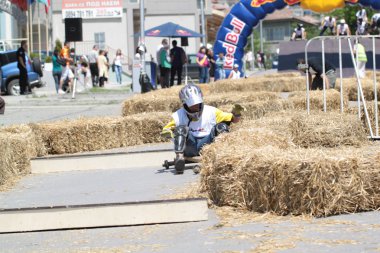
{"type": "Point", "coordinates": [22, 4]}
{"type": "Point", "coordinates": [47, 6]}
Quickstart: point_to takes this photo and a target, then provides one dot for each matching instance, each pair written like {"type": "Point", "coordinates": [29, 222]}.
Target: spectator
{"type": "Point", "coordinates": [249, 60]}
{"type": "Point", "coordinates": [361, 15]}
{"type": "Point", "coordinates": [158, 57]}
{"type": "Point", "coordinates": [343, 29]}
{"type": "Point", "coordinates": [210, 56]}
{"type": "Point", "coordinates": [117, 63]}
{"type": "Point", "coordinates": [178, 59]}
{"type": "Point", "coordinates": [203, 64]}
{"type": "Point", "coordinates": [375, 22]}
{"type": "Point", "coordinates": [165, 66]}
{"type": "Point", "coordinates": [67, 73]}
{"type": "Point", "coordinates": [299, 33]}
{"type": "Point", "coordinates": [85, 71]}
{"type": "Point", "coordinates": [235, 73]}
{"type": "Point", "coordinates": [93, 60]}
{"type": "Point", "coordinates": [57, 69]}
{"type": "Point", "coordinates": [220, 66]}
{"type": "Point", "coordinates": [362, 27]}
{"type": "Point", "coordinates": [261, 60]}
{"type": "Point", "coordinates": [2, 105]}
{"type": "Point", "coordinates": [21, 64]}
{"type": "Point", "coordinates": [103, 68]}
{"type": "Point", "coordinates": [328, 22]}
{"type": "Point", "coordinates": [361, 57]}
{"type": "Point", "coordinates": [315, 67]}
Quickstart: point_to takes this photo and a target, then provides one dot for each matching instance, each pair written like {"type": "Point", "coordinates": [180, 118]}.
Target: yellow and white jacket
{"type": "Point", "coordinates": [201, 127]}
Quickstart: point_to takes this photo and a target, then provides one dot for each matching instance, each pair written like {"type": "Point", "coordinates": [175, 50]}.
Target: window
{"type": "Point", "coordinates": [100, 40]}
{"type": "Point", "coordinates": [274, 33]}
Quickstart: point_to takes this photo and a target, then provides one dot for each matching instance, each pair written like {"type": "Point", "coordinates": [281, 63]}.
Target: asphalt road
{"type": "Point", "coordinates": [223, 232]}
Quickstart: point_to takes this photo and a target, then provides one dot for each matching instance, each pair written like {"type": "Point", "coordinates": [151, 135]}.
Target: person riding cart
{"type": "Point", "coordinates": [196, 124]}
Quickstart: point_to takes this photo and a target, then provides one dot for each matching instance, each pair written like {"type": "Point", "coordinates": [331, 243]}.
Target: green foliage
{"type": "Point", "coordinates": [48, 59]}
{"type": "Point", "coordinates": [34, 55]}
{"type": "Point", "coordinates": [349, 14]}
{"type": "Point", "coordinates": [58, 45]}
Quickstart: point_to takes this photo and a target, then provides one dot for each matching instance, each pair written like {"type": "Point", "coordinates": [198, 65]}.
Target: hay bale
{"type": "Point", "coordinates": [17, 148]}
{"type": "Point", "coordinates": [154, 103]}
{"type": "Point", "coordinates": [327, 130]}
{"type": "Point", "coordinates": [350, 88]}
{"type": "Point", "coordinates": [318, 182]}
{"type": "Point", "coordinates": [90, 134]}
{"type": "Point", "coordinates": [273, 84]}
{"type": "Point", "coordinates": [316, 100]}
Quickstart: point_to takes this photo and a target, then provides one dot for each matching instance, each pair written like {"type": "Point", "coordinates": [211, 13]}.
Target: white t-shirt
{"type": "Point", "coordinates": [118, 60]}
{"type": "Point", "coordinates": [93, 56]}
{"type": "Point", "coordinates": [376, 17]}
{"type": "Point", "coordinates": [329, 23]}
{"type": "Point", "coordinates": [200, 128]}
{"type": "Point", "coordinates": [361, 14]}
{"type": "Point", "coordinates": [343, 29]}
{"type": "Point", "coordinates": [235, 75]}
{"type": "Point", "coordinates": [361, 28]}
{"type": "Point", "coordinates": [299, 32]}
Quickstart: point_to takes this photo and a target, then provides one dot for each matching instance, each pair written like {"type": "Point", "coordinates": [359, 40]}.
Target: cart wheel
{"type": "Point", "coordinates": [166, 164]}
{"type": "Point", "coordinates": [196, 169]}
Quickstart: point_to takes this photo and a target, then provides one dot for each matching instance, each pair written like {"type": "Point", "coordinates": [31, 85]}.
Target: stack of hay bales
{"type": "Point", "coordinates": [350, 88]}
{"type": "Point", "coordinates": [316, 100]}
{"type": "Point", "coordinates": [296, 171]}
{"type": "Point", "coordinates": [278, 83]}
{"type": "Point", "coordinates": [90, 134]}
{"type": "Point", "coordinates": [18, 146]}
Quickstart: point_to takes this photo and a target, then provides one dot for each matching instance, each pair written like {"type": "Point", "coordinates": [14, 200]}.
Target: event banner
{"type": "Point", "coordinates": [90, 9]}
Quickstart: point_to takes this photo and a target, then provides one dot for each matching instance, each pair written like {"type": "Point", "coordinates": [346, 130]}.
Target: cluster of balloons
{"type": "Point", "coordinates": [245, 15]}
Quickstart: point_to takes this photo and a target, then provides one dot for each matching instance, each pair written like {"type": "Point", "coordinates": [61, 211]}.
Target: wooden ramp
{"type": "Point", "coordinates": [120, 160]}
{"type": "Point", "coordinates": [102, 215]}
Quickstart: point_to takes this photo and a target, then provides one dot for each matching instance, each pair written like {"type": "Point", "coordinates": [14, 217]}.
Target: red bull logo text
{"type": "Point", "coordinates": [183, 33]}
{"type": "Point", "coordinates": [258, 3]}
{"type": "Point", "coordinates": [232, 38]}
{"type": "Point", "coordinates": [292, 2]}
{"type": "Point", "coordinates": [153, 33]}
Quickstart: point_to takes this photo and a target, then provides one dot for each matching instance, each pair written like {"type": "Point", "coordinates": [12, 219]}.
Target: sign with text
{"type": "Point", "coordinates": [90, 9]}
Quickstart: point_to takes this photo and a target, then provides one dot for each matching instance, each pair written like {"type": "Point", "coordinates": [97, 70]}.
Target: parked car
{"type": "Point", "coordinates": [10, 74]}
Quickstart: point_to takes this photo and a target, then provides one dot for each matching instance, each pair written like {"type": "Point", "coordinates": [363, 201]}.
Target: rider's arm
{"type": "Point", "coordinates": [167, 131]}
{"type": "Point", "coordinates": [223, 116]}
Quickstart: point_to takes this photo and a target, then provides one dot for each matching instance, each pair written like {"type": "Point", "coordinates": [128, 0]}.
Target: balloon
{"type": "Point", "coordinates": [244, 16]}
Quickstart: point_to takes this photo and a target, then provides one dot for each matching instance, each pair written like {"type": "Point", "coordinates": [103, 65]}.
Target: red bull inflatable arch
{"type": "Point", "coordinates": [245, 15]}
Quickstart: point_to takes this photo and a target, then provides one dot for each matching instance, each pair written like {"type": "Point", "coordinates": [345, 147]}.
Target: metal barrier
{"type": "Point", "coordinates": [360, 96]}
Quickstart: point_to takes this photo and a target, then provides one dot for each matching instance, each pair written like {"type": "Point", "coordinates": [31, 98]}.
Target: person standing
{"type": "Point", "coordinates": [178, 59]}
{"type": "Point", "coordinates": [328, 22]}
{"type": "Point", "coordinates": [359, 49]}
{"type": "Point", "coordinates": [361, 15]}
{"type": "Point", "coordinates": [158, 57]}
{"type": "Point", "coordinates": [57, 69]}
{"type": "Point", "coordinates": [93, 60]}
{"type": "Point", "coordinates": [117, 62]}
{"type": "Point", "coordinates": [21, 65]}
{"type": "Point", "coordinates": [203, 65]}
{"type": "Point", "coordinates": [249, 60]}
{"type": "Point", "coordinates": [220, 66]}
{"type": "Point", "coordinates": [103, 68]}
{"type": "Point", "coordinates": [66, 71]}
{"type": "Point", "coordinates": [210, 56]}
{"type": "Point", "coordinates": [165, 66]}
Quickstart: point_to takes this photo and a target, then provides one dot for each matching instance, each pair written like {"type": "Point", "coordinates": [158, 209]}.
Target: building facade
{"type": "Point", "coordinates": [115, 24]}
{"type": "Point", "coordinates": [12, 23]}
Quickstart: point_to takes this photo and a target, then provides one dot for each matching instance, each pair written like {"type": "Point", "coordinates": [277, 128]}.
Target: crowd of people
{"type": "Point", "coordinates": [93, 68]}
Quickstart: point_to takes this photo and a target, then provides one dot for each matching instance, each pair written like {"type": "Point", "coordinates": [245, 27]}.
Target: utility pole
{"type": "Point", "coordinates": [203, 23]}
{"type": "Point", "coordinates": [261, 37]}
{"type": "Point", "coordinates": [142, 35]}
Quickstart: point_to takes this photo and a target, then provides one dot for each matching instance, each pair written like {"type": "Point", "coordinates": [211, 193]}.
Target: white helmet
{"type": "Point", "coordinates": [192, 95]}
